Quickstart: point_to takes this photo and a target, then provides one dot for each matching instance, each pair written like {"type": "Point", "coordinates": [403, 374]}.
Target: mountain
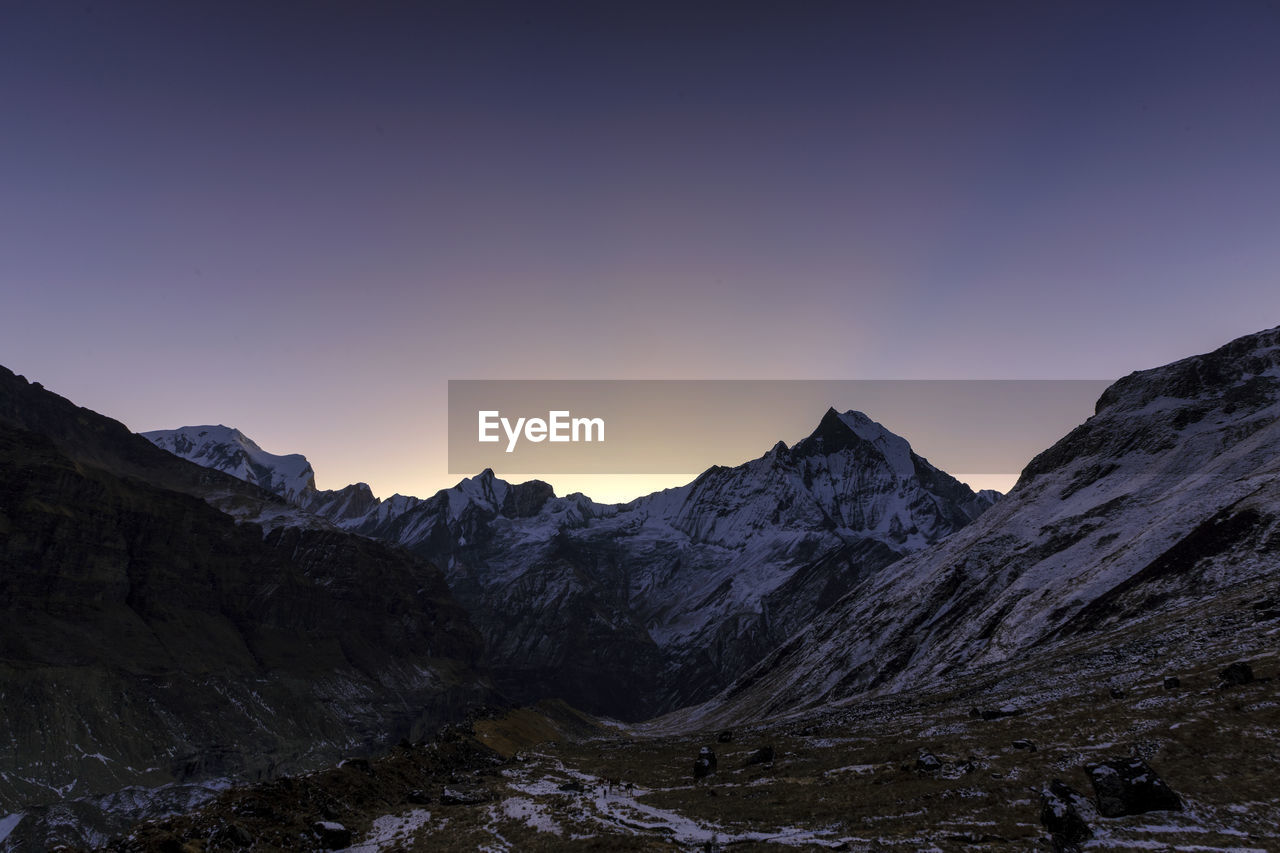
{"type": "Point", "coordinates": [638, 608]}
{"type": "Point", "coordinates": [230, 451]}
{"type": "Point", "coordinates": [1107, 627]}
{"type": "Point", "coordinates": [1166, 498]}
{"type": "Point", "coordinates": [147, 638]}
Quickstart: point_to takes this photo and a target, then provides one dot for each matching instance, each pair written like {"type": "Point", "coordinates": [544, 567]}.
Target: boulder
{"type": "Point", "coordinates": [1024, 744]}
{"type": "Point", "coordinates": [763, 755]}
{"type": "Point", "coordinates": [996, 713]}
{"type": "Point", "coordinates": [1060, 816]}
{"type": "Point", "coordinates": [705, 764]}
{"type": "Point", "coordinates": [725, 736]}
{"type": "Point", "coordinates": [234, 836]}
{"type": "Point", "coordinates": [1172, 682]}
{"type": "Point", "coordinates": [1127, 786]}
{"type": "Point", "coordinates": [928, 764]}
{"type": "Point", "coordinates": [332, 835]}
{"type": "Point", "coordinates": [460, 796]}
{"type": "Point", "coordinates": [1237, 673]}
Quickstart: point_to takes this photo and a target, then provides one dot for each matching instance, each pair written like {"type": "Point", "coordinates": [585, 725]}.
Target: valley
{"type": "Point", "coordinates": [907, 771]}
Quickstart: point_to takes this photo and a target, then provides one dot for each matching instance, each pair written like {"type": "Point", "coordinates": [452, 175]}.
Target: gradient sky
{"type": "Point", "coordinates": [301, 219]}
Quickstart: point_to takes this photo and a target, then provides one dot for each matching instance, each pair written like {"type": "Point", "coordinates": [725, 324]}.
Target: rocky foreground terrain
{"type": "Point", "coordinates": [998, 761]}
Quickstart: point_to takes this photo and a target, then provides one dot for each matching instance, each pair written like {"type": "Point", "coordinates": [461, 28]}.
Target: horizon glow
{"type": "Point", "coordinates": [302, 221]}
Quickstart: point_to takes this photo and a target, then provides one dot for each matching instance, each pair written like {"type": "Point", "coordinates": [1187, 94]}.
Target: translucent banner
{"type": "Point", "coordinates": [676, 426]}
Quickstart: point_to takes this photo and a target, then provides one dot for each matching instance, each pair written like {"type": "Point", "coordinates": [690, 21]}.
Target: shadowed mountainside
{"type": "Point", "coordinates": [148, 638]}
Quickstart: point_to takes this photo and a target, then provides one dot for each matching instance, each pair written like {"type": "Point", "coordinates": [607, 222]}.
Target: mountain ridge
{"type": "Point", "coordinates": [682, 587]}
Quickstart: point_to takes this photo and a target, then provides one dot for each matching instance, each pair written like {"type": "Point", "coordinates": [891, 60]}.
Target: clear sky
{"type": "Point", "coordinates": [301, 219]}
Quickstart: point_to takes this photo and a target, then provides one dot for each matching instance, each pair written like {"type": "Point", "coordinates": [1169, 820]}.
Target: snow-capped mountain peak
{"type": "Point", "coordinates": [838, 430]}
{"type": "Point", "coordinates": [227, 449]}
{"type": "Point", "coordinates": [484, 489]}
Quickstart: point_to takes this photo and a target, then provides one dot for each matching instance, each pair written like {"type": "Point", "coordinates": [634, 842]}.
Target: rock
{"type": "Point", "coordinates": [705, 764]}
{"type": "Point", "coordinates": [997, 713]}
{"type": "Point", "coordinates": [1237, 673]}
{"type": "Point", "coordinates": [573, 786]}
{"type": "Point", "coordinates": [928, 764]}
{"type": "Point", "coordinates": [1127, 786]}
{"type": "Point", "coordinates": [458, 796]}
{"type": "Point", "coordinates": [1266, 609]}
{"type": "Point", "coordinates": [233, 835]}
{"type": "Point", "coordinates": [763, 755]}
{"type": "Point", "coordinates": [1172, 682]}
{"type": "Point", "coordinates": [973, 839]}
{"type": "Point", "coordinates": [361, 764]}
{"type": "Point", "coordinates": [333, 835]}
{"type": "Point", "coordinates": [418, 797]}
{"type": "Point", "coordinates": [1059, 815]}
{"type": "Point", "coordinates": [725, 736]}
{"type": "Point", "coordinates": [169, 843]}
{"type": "Point", "coordinates": [1117, 693]}
{"type": "Point", "coordinates": [1024, 744]}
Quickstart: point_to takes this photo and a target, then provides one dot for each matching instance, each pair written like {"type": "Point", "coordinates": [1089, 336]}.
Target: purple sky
{"type": "Point", "coordinates": [301, 219]}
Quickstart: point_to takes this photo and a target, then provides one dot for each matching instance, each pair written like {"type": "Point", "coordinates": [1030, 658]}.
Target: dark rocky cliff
{"type": "Point", "coordinates": [146, 637]}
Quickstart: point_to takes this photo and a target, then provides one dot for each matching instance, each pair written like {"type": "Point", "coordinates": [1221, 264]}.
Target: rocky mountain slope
{"type": "Point", "coordinates": [639, 608]}
{"type": "Point", "coordinates": [1166, 497]}
{"type": "Point", "coordinates": [148, 638]}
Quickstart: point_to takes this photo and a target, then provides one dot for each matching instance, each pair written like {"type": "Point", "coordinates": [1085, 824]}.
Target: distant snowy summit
{"type": "Point", "coordinates": [879, 486]}
{"type": "Point", "coordinates": [228, 450]}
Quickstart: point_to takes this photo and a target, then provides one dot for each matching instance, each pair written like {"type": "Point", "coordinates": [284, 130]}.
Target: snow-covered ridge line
{"type": "Point", "coordinates": [703, 578]}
